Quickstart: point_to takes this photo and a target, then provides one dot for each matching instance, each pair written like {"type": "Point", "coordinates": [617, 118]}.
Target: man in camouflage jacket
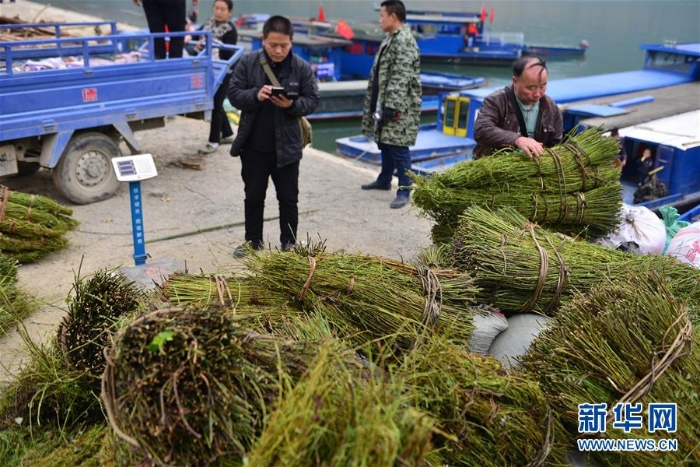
{"type": "Point", "coordinates": [393, 101]}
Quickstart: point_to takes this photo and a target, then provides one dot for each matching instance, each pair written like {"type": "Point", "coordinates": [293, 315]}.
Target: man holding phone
{"type": "Point", "coordinates": [269, 138]}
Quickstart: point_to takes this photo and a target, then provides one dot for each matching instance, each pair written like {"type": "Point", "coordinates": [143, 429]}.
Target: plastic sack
{"type": "Point", "coordinates": [640, 225]}
{"type": "Point", "coordinates": [685, 245]}
{"type": "Point", "coordinates": [515, 341]}
{"type": "Point", "coordinates": [488, 323]}
{"type": "Point", "coordinates": [670, 216]}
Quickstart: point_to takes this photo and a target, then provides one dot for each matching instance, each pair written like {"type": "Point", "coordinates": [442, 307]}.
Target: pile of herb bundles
{"type": "Point", "coordinates": [520, 267]}
{"type": "Point", "coordinates": [487, 416]}
{"type": "Point", "coordinates": [572, 187]}
{"type": "Point", "coordinates": [32, 226]}
{"type": "Point", "coordinates": [371, 299]}
{"type": "Point", "coordinates": [620, 365]}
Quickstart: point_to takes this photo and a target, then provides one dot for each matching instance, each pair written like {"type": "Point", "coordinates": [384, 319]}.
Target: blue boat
{"type": "Point", "coordinates": [452, 37]}
{"type": "Point", "coordinates": [667, 85]}
{"type": "Point", "coordinates": [343, 84]}
{"type": "Point", "coordinates": [675, 147]}
{"type": "Point", "coordinates": [693, 215]}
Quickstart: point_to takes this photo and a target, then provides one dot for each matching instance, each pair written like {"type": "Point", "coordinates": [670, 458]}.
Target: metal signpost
{"type": "Point", "coordinates": [133, 169]}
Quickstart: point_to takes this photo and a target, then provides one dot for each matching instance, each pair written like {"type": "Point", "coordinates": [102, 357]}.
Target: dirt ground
{"type": "Point", "coordinates": [183, 200]}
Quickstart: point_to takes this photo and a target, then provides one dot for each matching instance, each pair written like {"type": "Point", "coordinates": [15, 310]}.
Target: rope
{"type": "Point", "coordinates": [562, 187]}
{"type": "Point", "coordinates": [581, 205]}
{"type": "Point", "coordinates": [658, 367]}
{"type": "Point", "coordinates": [562, 280]}
{"type": "Point", "coordinates": [108, 396]}
{"type": "Point", "coordinates": [307, 284]}
{"type": "Point", "coordinates": [433, 296]}
{"type": "Point", "coordinates": [4, 198]}
{"type": "Point", "coordinates": [547, 444]}
{"type": "Point", "coordinates": [221, 288]}
{"type": "Point", "coordinates": [544, 266]}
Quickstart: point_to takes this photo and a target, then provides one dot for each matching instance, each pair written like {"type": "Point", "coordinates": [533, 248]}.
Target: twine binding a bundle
{"type": "Point", "coordinates": [4, 198]}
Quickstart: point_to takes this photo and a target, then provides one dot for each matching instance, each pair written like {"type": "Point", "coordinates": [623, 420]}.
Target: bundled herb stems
{"type": "Point", "coordinates": [572, 187]}
{"type": "Point", "coordinates": [32, 226]}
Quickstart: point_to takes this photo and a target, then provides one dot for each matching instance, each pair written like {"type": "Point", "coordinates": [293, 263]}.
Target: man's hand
{"type": "Point", "coordinates": [281, 101]}
{"type": "Point", "coordinates": [137, 2]}
{"type": "Point", "coordinates": [265, 93]}
{"type": "Point", "coordinates": [390, 115]}
{"type": "Point", "coordinates": [531, 147]}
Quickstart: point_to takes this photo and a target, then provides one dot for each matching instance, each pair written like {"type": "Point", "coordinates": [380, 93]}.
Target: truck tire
{"type": "Point", "coordinates": [84, 174]}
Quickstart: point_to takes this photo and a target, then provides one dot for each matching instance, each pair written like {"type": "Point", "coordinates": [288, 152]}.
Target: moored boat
{"type": "Point", "coordinates": [667, 85]}
{"type": "Point", "coordinates": [343, 81]}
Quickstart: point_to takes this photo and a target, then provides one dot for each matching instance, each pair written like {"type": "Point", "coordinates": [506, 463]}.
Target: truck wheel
{"type": "Point", "coordinates": [84, 173]}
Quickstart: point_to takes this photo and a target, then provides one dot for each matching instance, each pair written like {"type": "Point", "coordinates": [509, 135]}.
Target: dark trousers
{"type": "Point", "coordinates": [170, 13]}
{"type": "Point", "coordinates": [219, 121]}
{"type": "Point", "coordinates": [257, 168]}
{"type": "Point", "coordinates": [395, 158]}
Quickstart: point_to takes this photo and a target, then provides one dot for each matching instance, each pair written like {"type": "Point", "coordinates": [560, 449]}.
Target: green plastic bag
{"type": "Point", "coordinates": [670, 216]}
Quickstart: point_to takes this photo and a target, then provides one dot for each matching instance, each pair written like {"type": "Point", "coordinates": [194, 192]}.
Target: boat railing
{"type": "Point", "coordinates": [670, 43]}
{"type": "Point", "coordinates": [501, 38]}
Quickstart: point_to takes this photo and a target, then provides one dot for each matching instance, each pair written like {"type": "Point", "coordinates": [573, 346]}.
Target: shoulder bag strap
{"type": "Point", "coordinates": [268, 71]}
{"type": "Point", "coordinates": [521, 120]}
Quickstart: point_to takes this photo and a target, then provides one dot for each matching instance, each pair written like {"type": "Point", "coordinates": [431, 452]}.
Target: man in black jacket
{"type": "Point", "coordinates": [269, 136]}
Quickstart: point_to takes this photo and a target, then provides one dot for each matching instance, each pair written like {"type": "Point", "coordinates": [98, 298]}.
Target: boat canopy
{"type": "Point", "coordinates": [680, 131]}
{"type": "Point", "coordinates": [440, 19]}
{"type": "Point", "coordinates": [637, 107]}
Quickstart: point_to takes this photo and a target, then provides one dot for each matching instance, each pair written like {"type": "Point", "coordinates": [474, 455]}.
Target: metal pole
{"type": "Point", "coordinates": [137, 223]}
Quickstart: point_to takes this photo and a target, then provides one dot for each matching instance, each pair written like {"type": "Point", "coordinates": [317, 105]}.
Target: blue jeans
{"type": "Point", "coordinates": [399, 158]}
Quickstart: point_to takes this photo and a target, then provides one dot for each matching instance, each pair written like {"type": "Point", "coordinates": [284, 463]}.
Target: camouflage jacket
{"type": "Point", "coordinates": [398, 59]}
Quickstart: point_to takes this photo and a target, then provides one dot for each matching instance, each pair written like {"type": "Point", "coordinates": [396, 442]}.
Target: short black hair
{"type": "Point", "coordinates": [527, 61]}
{"type": "Point", "coordinates": [278, 24]}
{"type": "Point", "coordinates": [228, 3]}
{"type": "Point", "coordinates": [396, 7]}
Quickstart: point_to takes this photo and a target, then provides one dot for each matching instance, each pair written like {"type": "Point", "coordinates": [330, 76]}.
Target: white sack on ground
{"type": "Point", "coordinates": [640, 225]}
{"type": "Point", "coordinates": [523, 328]}
{"type": "Point", "coordinates": [488, 324]}
{"type": "Point", "coordinates": [685, 245]}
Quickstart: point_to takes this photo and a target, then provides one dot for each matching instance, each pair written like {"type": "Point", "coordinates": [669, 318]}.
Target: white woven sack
{"type": "Point", "coordinates": [685, 245]}
{"type": "Point", "coordinates": [640, 225]}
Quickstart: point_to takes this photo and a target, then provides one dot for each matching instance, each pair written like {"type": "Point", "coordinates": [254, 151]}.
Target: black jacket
{"type": "Point", "coordinates": [248, 77]}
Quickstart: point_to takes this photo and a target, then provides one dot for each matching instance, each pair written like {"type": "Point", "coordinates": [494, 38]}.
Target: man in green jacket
{"type": "Point", "coordinates": [393, 101]}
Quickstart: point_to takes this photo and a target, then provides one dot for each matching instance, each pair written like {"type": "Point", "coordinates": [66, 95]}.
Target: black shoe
{"type": "Point", "coordinates": [376, 186]}
{"type": "Point", "coordinates": [400, 201]}
{"type": "Point", "coordinates": [243, 250]}
{"type": "Point", "coordinates": [287, 246]}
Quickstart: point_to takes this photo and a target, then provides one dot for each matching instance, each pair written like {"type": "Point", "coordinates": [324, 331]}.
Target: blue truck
{"type": "Point", "coordinates": [67, 103]}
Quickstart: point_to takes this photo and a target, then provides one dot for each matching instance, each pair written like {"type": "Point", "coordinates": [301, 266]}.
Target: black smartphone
{"type": "Point", "coordinates": [278, 91]}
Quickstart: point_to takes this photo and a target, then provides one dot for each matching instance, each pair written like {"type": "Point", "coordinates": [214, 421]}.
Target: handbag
{"type": "Point", "coordinates": [304, 124]}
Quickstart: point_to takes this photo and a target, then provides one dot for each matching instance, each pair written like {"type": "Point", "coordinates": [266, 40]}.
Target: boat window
{"type": "Point", "coordinates": [456, 116]}
{"type": "Point", "coordinates": [669, 62]}
{"type": "Point", "coordinates": [450, 106]}
{"type": "Point", "coordinates": [463, 112]}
